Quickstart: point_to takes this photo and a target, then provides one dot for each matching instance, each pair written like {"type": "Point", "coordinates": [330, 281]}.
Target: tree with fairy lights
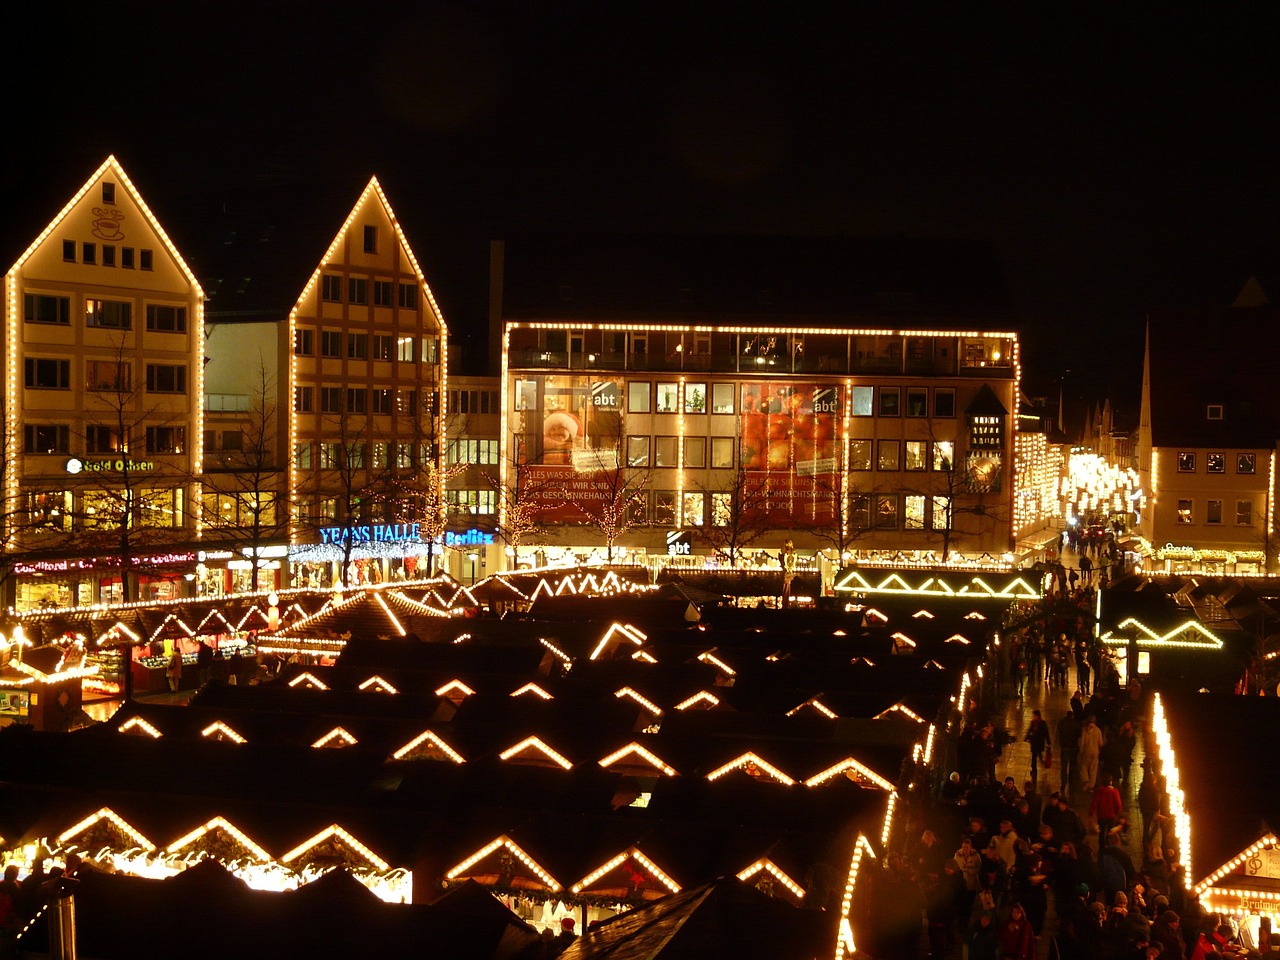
{"type": "Point", "coordinates": [740, 514]}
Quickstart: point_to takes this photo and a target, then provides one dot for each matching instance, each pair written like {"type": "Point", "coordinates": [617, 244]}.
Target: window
{"type": "Point", "coordinates": [917, 402]}
{"type": "Point", "coordinates": [944, 455]}
{"type": "Point", "coordinates": [304, 343]}
{"type": "Point", "coordinates": [695, 398]}
{"type": "Point", "coordinates": [46, 438]}
{"type": "Point", "coordinates": [941, 518]}
{"type": "Point", "coordinates": [407, 403]}
{"type": "Point", "coordinates": [232, 440]}
{"type": "Point", "coordinates": [721, 509]}
{"type": "Point", "coordinates": [331, 288]}
{"type": "Point", "coordinates": [166, 439]}
{"type": "Point", "coordinates": [160, 508]}
{"type": "Point", "coordinates": [166, 378]}
{"type": "Point", "coordinates": [330, 399]}
{"type": "Point", "coordinates": [384, 346]}
{"type": "Point", "coordinates": [116, 314]}
{"type": "Point", "coordinates": [913, 512]}
{"type": "Point", "coordinates": [108, 192]}
{"type": "Point", "coordinates": [944, 402]}
{"type": "Point", "coordinates": [330, 343]}
{"type": "Point", "coordinates": [303, 399]}
{"type": "Point", "coordinates": [1215, 463]}
{"type": "Point", "coordinates": [722, 397]}
{"type": "Point", "coordinates": [45, 373]}
{"type": "Point", "coordinates": [358, 290]}
{"type": "Point", "coordinates": [302, 456]}
{"type": "Point", "coordinates": [164, 319]}
{"type": "Point", "coordinates": [108, 375]}
{"type": "Point", "coordinates": [916, 455]}
{"type": "Point", "coordinates": [1246, 462]}
{"type": "Point", "coordinates": [859, 454]}
{"type": "Point", "coordinates": [664, 508]}
{"type": "Point", "coordinates": [382, 401]}
{"type": "Point", "coordinates": [693, 510]}
{"type": "Point", "coordinates": [355, 456]}
{"type": "Point", "coordinates": [69, 251]}
{"type": "Point", "coordinates": [890, 401]}
{"type": "Point", "coordinates": [1184, 511]}
{"type": "Point", "coordinates": [473, 451]}
{"type": "Point", "coordinates": [1213, 411]}
{"type": "Point", "coordinates": [382, 293]}
{"type": "Point", "coordinates": [101, 439]}
{"type": "Point", "coordinates": [860, 513]}
{"type": "Point", "coordinates": [862, 397]}
{"type": "Point", "coordinates": [404, 350]}
{"type": "Point", "coordinates": [1213, 511]}
{"type": "Point", "coordinates": [887, 512]}
{"type": "Point", "coordinates": [722, 453]}
{"type": "Point", "coordinates": [357, 346]}
{"type": "Point", "coordinates": [887, 455]}
{"type": "Point", "coordinates": [1186, 463]}
{"type": "Point", "coordinates": [403, 454]}
{"type": "Point", "coordinates": [126, 257]}
{"type": "Point", "coordinates": [108, 255]}
{"type": "Point", "coordinates": [357, 401]}
{"type": "Point", "coordinates": [638, 397]}
{"type": "Point", "coordinates": [668, 398]}
{"type": "Point", "coordinates": [408, 296]}
{"type": "Point", "coordinates": [89, 253]}
{"type": "Point", "coordinates": [37, 308]}
{"type": "Point", "coordinates": [666, 452]}
{"type": "Point", "coordinates": [144, 259]}
{"type": "Point", "coordinates": [51, 509]}
{"type": "Point", "coordinates": [638, 451]}
{"type": "Point", "coordinates": [695, 453]}
{"type": "Point", "coordinates": [330, 456]}
{"type": "Point", "coordinates": [1244, 513]}
{"type": "Point", "coordinates": [370, 239]}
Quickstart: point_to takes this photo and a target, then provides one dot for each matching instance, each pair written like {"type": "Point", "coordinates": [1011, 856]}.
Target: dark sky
{"type": "Point", "coordinates": [1118, 164]}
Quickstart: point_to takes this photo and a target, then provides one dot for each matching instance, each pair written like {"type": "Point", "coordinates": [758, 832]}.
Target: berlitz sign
{"type": "Point", "coordinates": [372, 533]}
{"type": "Point", "coordinates": [118, 465]}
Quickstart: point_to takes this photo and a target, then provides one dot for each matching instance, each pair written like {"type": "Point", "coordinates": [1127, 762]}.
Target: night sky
{"type": "Point", "coordinates": [1118, 165]}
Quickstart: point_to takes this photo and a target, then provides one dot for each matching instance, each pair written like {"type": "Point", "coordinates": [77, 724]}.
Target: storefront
{"type": "Point", "coordinates": [82, 580]}
{"type": "Point", "coordinates": [373, 552]}
{"type": "Point", "coordinates": [224, 571]}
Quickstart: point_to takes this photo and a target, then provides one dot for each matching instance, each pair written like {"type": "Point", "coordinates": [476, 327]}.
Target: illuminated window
{"type": "Point", "coordinates": [406, 350]}
{"type": "Point", "coordinates": [887, 512]}
{"type": "Point", "coordinates": [695, 398]}
{"type": "Point", "coordinates": [917, 402]}
{"type": "Point", "coordinates": [944, 455]}
{"type": "Point", "coordinates": [1244, 513]}
{"type": "Point", "coordinates": [664, 507]}
{"type": "Point", "coordinates": [160, 508]}
{"type": "Point", "coordinates": [166, 319]}
{"type": "Point", "coordinates": [637, 451]}
{"type": "Point", "coordinates": [1213, 511]}
{"type": "Point", "coordinates": [940, 518]}
{"type": "Point", "coordinates": [722, 397]}
{"type": "Point", "coordinates": [721, 509]}
{"type": "Point", "coordinates": [1246, 462]}
{"type": "Point", "coordinates": [331, 288]}
{"type": "Point", "coordinates": [407, 402]}
{"type": "Point", "coordinates": [42, 309]}
{"type": "Point", "coordinates": [637, 397]}
{"type": "Point", "coordinates": [913, 512]}
{"type": "Point", "coordinates": [695, 452]}
{"type": "Point", "coordinates": [859, 454]}
{"type": "Point", "coordinates": [302, 456]}
{"type": "Point", "coordinates": [694, 509]}
{"type": "Point", "coordinates": [1184, 511]}
{"type": "Point", "coordinates": [1186, 463]}
{"type": "Point", "coordinates": [862, 401]}
{"type": "Point", "coordinates": [890, 401]}
{"type": "Point", "coordinates": [668, 398]}
{"type": "Point", "coordinates": [722, 453]}
{"type": "Point", "coordinates": [915, 455]}
{"type": "Point", "coordinates": [408, 296]}
{"type": "Point", "coordinates": [666, 451]}
{"type": "Point", "coordinates": [1215, 463]}
{"type": "Point", "coordinates": [887, 455]}
{"type": "Point", "coordinates": [112, 314]}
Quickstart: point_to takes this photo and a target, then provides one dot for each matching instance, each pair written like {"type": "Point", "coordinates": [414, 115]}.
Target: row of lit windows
{"type": "Point", "coordinates": [473, 451]}
{"type": "Point", "coordinates": [722, 398]}
{"type": "Point", "coordinates": [335, 345]}
{"type": "Point", "coordinates": [1213, 512]}
{"type": "Point", "coordinates": [56, 438]}
{"type": "Point", "coordinates": [1246, 463]}
{"type": "Point", "coordinates": [66, 511]}
{"type": "Point", "coordinates": [98, 312]}
{"type": "Point", "coordinates": [93, 254]}
{"type": "Point", "coordinates": [380, 401]}
{"type": "Point", "coordinates": [360, 456]}
{"type": "Point", "coordinates": [472, 501]}
{"type": "Point", "coordinates": [51, 373]}
{"type": "Point", "coordinates": [248, 508]}
{"type": "Point", "coordinates": [358, 290]}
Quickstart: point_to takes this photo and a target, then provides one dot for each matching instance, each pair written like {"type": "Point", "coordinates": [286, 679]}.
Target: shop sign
{"type": "Point", "coordinates": [118, 465]}
{"type": "Point", "coordinates": [604, 394]}
{"type": "Point", "coordinates": [372, 533]}
{"type": "Point", "coordinates": [204, 556]}
{"type": "Point", "coordinates": [74, 564]}
{"type": "Point", "coordinates": [472, 538]}
{"type": "Point", "coordinates": [679, 543]}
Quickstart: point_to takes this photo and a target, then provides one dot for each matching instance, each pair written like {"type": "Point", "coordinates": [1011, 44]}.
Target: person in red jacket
{"type": "Point", "coordinates": [1107, 807]}
{"type": "Point", "coordinates": [1017, 941]}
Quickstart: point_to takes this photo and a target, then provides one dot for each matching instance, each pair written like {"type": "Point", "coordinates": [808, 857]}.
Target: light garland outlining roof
{"type": "Point", "coordinates": [220, 731]}
{"type": "Point", "coordinates": [616, 632]}
{"type": "Point", "coordinates": [635, 750]}
{"type": "Point", "coordinates": [644, 656]}
{"type": "Point", "coordinates": [1267, 842]}
{"type": "Point", "coordinates": [899, 708]}
{"type": "Point", "coordinates": [1195, 634]}
{"type": "Point", "coordinates": [746, 763]}
{"type": "Point", "coordinates": [310, 679]}
{"type": "Point", "coordinates": [337, 737]}
{"type": "Point", "coordinates": [225, 826]}
{"type": "Point", "coordinates": [140, 725]}
{"type": "Point", "coordinates": [505, 842]}
{"type": "Point", "coordinates": [110, 816]}
{"type": "Point", "coordinates": [771, 868]}
{"type": "Point", "coordinates": [533, 688]}
{"type": "Point", "coordinates": [454, 687]}
{"type": "Point", "coordinates": [336, 832]}
{"type": "Point", "coordinates": [428, 737]}
{"type": "Point", "coordinates": [845, 947]}
{"type": "Point", "coordinates": [701, 698]}
{"type": "Point", "coordinates": [632, 695]}
{"type": "Point", "coordinates": [1168, 768]}
{"type": "Point", "coordinates": [632, 853]}
{"type": "Point", "coordinates": [560, 654]}
{"type": "Point", "coordinates": [853, 581]}
{"type": "Point", "coordinates": [853, 770]}
{"type": "Point", "coordinates": [813, 703]}
{"type": "Point", "coordinates": [536, 744]}
{"type": "Point", "coordinates": [378, 685]}
{"type": "Point", "coordinates": [711, 658]}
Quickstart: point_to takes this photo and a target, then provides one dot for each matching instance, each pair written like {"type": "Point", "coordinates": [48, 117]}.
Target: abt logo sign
{"type": "Point", "coordinates": [679, 543]}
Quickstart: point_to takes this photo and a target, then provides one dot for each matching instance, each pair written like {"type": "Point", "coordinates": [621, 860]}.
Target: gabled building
{"type": "Point", "coordinates": [367, 347]}
{"type": "Point", "coordinates": [1207, 438]}
{"type": "Point", "coordinates": [104, 361]}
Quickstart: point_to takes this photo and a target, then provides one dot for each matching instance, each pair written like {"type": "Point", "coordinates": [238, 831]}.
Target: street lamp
{"type": "Point", "coordinates": [473, 557]}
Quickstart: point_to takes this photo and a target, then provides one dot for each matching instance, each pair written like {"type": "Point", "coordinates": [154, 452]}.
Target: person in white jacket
{"type": "Point", "coordinates": [1090, 747]}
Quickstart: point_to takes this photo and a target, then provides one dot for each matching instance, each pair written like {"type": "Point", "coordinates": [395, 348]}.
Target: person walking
{"type": "Point", "coordinates": [173, 670]}
{"type": "Point", "coordinates": [1090, 748]}
{"type": "Point", "coordinates": [1038, 737]}
{"type": "Point", "coordinates": [1068, 747]}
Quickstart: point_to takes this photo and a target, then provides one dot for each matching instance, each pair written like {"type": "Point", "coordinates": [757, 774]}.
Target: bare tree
{"type": "Point", "coordinates": [740, 514]}
{"type": "Point", "coordinates": [609, 495]}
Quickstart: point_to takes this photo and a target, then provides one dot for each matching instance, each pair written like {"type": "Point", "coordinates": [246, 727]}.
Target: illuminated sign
{"type": "Point", "coordinates": [472, 538]}
{"type": "Point", "coordinates": [73, 564]}
{"type": "Point", "coordinates": [679, 543]}
{"type": "Point", "coordinates": [118, 465]}
{"type": "Point", "coordinates": [372, 533]}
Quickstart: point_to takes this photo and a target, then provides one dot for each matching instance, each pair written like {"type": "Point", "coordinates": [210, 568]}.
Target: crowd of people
{"type": "Point", "coordinates": [990, 869]}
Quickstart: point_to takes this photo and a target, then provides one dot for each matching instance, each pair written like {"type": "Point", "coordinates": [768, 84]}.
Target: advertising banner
{"type": "Point", "coordinates": [789, 451]}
